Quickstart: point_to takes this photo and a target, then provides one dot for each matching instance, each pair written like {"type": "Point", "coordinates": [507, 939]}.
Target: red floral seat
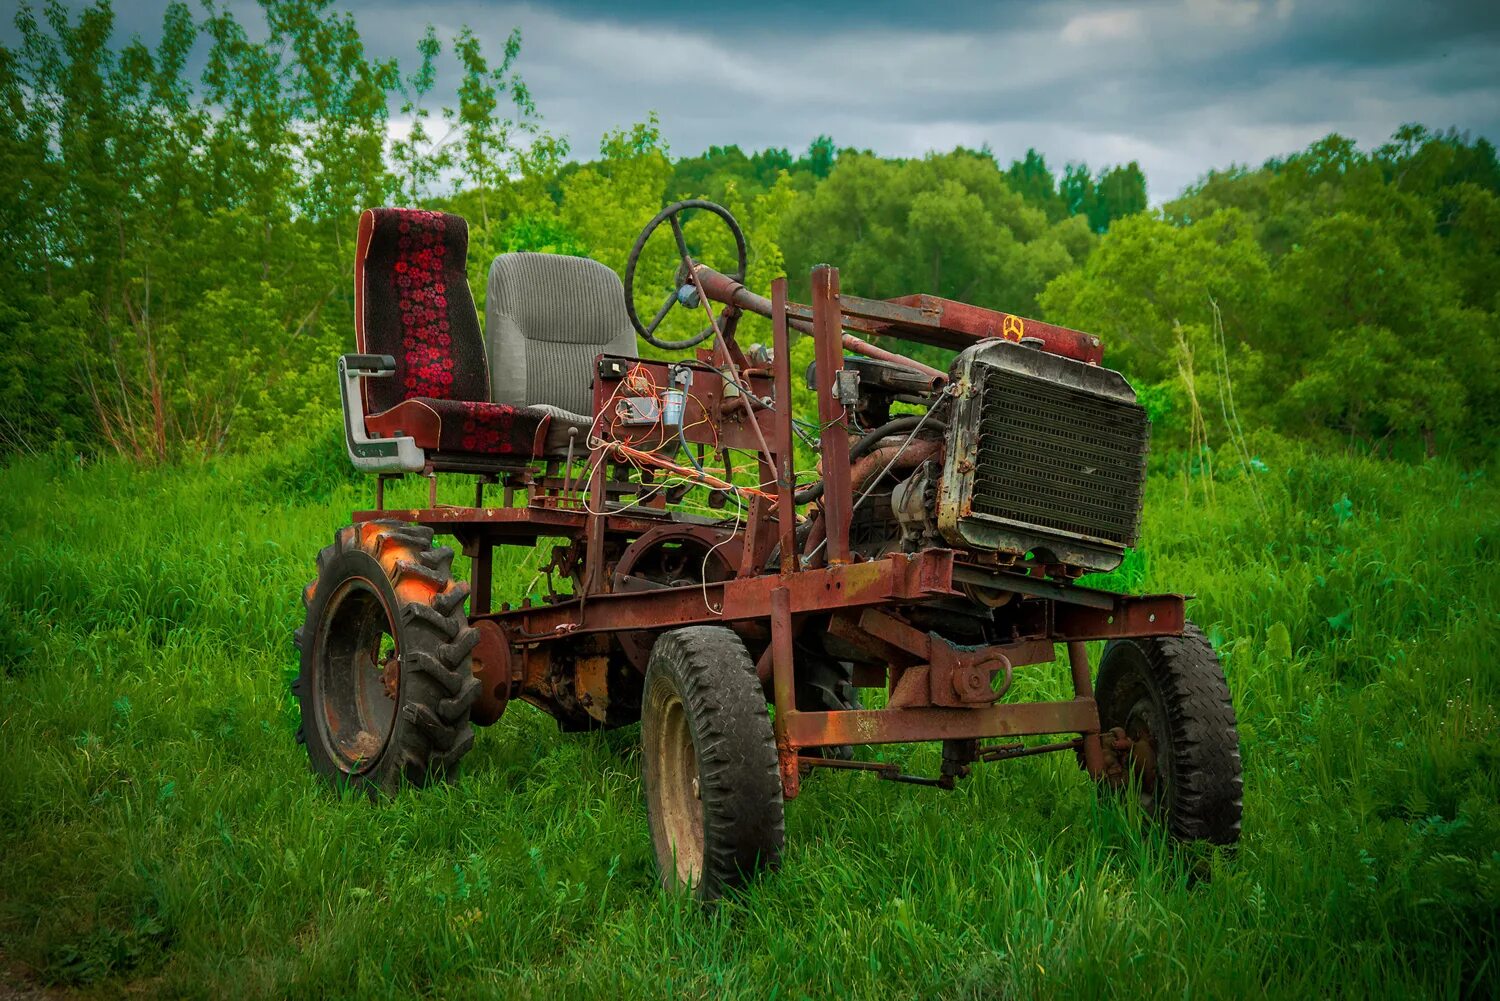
{"type": "Point", "coordinates": [470, 426]}
{"type": "Point", "coordinates": [412, 302]}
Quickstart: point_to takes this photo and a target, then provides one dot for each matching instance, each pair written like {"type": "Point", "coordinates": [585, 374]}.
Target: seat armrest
{"type": "Point", "coordinates": [372, 455]}
{"type": "Point", "coordinates": [370, 365]}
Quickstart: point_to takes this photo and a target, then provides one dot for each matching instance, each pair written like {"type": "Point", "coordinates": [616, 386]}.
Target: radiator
{"type": "Point", "coordinates": [1046, 455]}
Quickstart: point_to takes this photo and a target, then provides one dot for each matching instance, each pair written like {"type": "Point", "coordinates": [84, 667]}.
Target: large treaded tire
{"type": "Point", "coordinates": [1169, 695]}
{"type": "Point", "coordinates": [709, 767]}
{"type": "Point", "coordinates": [384, 582]}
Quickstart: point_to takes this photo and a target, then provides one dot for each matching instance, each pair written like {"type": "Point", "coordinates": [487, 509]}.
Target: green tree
{"type": "Point", "coordinates": [1356, 291]}
{"type": "Point", "coordinates": [1149, 278]}
{"type": "Point", "coordinates": [184, 239]}
{"type": "Point", "coordinates": [1035, 182]}
{"type": "Point", "coordinates": [948, 224]}
{"type": "Point", "coordinates": [820, 156]}
{"type": "Point", "coordinates": [488, 153]}
{"type": "Point", "coordinates": [420, 157]}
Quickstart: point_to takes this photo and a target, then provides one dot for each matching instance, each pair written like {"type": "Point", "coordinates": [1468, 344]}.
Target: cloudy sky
{"type": "Point", "coordinates": [1178, 85]}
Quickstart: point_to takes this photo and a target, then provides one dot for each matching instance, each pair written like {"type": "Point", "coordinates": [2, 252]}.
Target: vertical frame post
{"type": "Point", "coordinates": [593, 563]}
{"type": "Point", "coordinates": [828, 328]}
{"type": "Point", "coordinates": [786, 457]}
{"type": "Point", "coordinates": [481, 568]}
{"type": "Point", "coordinates": [1083, 688]}
{"type": "Point", "coordinates": [784, 687]}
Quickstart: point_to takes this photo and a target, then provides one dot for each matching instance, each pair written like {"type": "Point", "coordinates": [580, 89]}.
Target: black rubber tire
{"type": "Point", "coordinates": [387, 574]}
{"type": "Point", "coordinates": [737, 828]}
{"type": "Point", "coordinates": [825, 685]}
{"type": "Point", "coordinates": [1174, 686]}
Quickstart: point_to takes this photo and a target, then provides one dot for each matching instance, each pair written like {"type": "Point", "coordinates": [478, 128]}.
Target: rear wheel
{"type": "Point", "coordinates": [713, 793]}
{"type": "Point", "coordinates": [386, 685]}
{"type": "Point", "coordinates": [1175, 743]}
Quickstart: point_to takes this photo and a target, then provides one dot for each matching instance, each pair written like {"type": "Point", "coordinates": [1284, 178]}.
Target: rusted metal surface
{"type": "Point", "coordinates": [581, 681]}
{"type": "Point", "coordinates": [1124, 759]}
{"type": "Point", "coordinates": [1014, 578]}
{"type": "Point", "coordinates": [978, 323]}
{"type": "Point", "coordinates": [1026, 652]}
{"type": "Point", "coordinates": [714, 412]}
{"type": "Point", "coordinates": [481, 572]}
{"type": "Point", "coordinates": [761, 527]}
{"type": "Point", "coordinates": [1145, 615]}
{"type": "Point", "coordinates": [491, 664]}
{"type": "Point", "coordinates": [950, 676]}
{"type": "Point", "coordinates": [937, 379]}
{"type": "Point", "coordinates": [591, 680]}
{"type": "Point", "coordinates": [897, 458]}
{"type": "Point", "coordinates": [666, 555]}
{"type": "Point", "coordinates": [390, 676]}
{"type": "Point", "coordinates": [943, 323]}
{"type": "Point", "coordinates": [1083, 689]}
{"type": "Point", "coordinates": [962, 678]}
{"type": "Point", "coordinates": [832, 415]}
{"type": "Point", "coordinates": [903, 726]}
{"type": "Point", "coordinates": [896, 579]}
{"type": "Point", "coordinates": [722, 288]}
{"type": "Point", "coordinates": [785, 688]}
{"type": "Point", "coordinates": [786, 477]}
{"type": "Point", "coordinates": [1005, 752]}
{"type": "Point", "coordinates": [846, 626]}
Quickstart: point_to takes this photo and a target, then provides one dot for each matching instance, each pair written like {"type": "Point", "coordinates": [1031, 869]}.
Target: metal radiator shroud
{"type": "Point", "coordinates": [1046, 455]}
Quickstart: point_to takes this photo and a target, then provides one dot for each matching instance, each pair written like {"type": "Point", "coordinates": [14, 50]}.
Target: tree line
{"type": "Point", "coordinates": [180, 240]}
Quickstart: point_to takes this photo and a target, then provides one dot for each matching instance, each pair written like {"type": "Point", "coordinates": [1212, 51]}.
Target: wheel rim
{"type": "Point", "coordinates": [677, 791]}
{"type": "Point", "coordinates": [1144, 755]}
{"type": "Point", "coordinates": [358, 676]}
{"type": "Point", "coordinates": [672, 557]}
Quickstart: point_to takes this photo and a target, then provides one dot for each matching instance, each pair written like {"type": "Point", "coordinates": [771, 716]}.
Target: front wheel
{"type": "Point", "coordinates": [1166, 704]}
{"type": "Point", "coordinates": [386, 686]}
{"type": "Point", "coordinates": [713, 792]}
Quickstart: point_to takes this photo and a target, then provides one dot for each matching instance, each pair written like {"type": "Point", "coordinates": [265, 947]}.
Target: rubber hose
{"type": "Point", "coordinates": [906, 422]}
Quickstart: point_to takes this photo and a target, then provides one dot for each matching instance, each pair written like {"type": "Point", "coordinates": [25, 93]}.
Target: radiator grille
{"type": "Point", "coordinates": [1059, 458]}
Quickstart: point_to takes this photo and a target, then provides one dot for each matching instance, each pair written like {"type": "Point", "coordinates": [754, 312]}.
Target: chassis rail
{"type": "Point", "coordinates": [925, 676]}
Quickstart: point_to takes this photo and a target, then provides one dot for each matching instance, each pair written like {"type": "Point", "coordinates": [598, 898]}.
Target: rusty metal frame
{"type": "Point", "coordinates": [937, 691]}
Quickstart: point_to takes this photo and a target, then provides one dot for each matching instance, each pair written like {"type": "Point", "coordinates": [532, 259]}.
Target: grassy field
{"type": "Point", "coordinates": [159, 831]}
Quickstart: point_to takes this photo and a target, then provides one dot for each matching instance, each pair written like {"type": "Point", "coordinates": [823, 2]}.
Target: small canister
{"type": "Point", "coordinates": [672, 403]}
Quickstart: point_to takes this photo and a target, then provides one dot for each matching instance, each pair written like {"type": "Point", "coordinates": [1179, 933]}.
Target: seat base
{"type": "Point", "coordinates": [561, 430]}
{"type": "Point", "coordinates": [467, 427]}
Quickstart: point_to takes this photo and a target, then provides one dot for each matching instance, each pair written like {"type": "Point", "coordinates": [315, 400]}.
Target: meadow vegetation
{"type": "Point", "coordinates": [1315, 339]}
{"type": "Point", "coordinates": [160, 827]}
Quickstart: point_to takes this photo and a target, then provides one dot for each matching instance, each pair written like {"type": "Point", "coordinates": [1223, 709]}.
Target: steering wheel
{"type": "Point", "coordinates": [683, 289]}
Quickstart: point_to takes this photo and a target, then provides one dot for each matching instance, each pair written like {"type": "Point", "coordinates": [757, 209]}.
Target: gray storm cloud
{"type": "Point", "coordinates": [1181, 86]}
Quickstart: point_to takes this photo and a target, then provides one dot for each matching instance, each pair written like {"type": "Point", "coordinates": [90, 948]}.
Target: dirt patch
{"type": "Point", "coordinates": [17, 985]}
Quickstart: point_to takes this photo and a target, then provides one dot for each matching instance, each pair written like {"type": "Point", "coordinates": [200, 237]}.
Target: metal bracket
{"type": "Point", "coordinates": [372, 455]}
{"type": "Point", "coordinates": [951, 675]}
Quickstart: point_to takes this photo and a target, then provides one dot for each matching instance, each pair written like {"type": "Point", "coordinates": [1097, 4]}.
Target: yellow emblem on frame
{"type": "Point", "coordinates": [1014, 328]}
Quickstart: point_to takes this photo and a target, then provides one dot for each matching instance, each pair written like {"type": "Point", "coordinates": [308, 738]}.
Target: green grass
{"type": "Point", "coordinates": [159, 830]}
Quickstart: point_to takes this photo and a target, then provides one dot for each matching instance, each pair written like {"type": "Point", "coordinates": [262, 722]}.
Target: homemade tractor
{"type": "Point", "coordinates": [695, 575]}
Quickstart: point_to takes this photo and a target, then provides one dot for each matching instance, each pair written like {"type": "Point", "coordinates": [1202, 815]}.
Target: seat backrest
{"type": "Point", "coordinates": [412, 301]}
{"type": "Point", "coordinates": [547, 317]}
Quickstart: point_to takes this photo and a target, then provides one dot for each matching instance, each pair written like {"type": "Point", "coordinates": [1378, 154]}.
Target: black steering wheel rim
{"type": "Point", "coordinates": [648, 331]}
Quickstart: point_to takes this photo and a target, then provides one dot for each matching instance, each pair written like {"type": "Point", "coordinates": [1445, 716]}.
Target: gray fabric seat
{"type": "Point", "coordinates": [547, 317]}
